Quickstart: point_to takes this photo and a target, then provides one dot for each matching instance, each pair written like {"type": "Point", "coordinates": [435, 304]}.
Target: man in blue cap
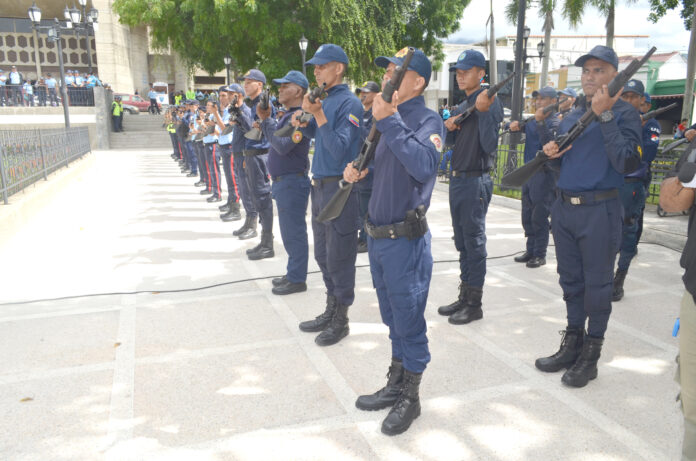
{"type": "Point", "coordinates": [256, 169]}
{"type": "Point", "coordinates": [634, 190]}
{"type": "Point", "coordinates": [288, 164]}
{"type": "Point", "coordinates": [192, 157]}
{"type": "Point", "coordinates": [336, 129]}
{"type": "Point", "coordinates": [226, 155]}
{"type": "Point", "coordinates": [399, 241]}
{"type": "Point", "coordinates": [199, 148]}
{"type": "Point", "coordinates": [587, 215]}
{"type": "Point", "coordinates": [538, 193]}
{"type": "Point", "coordinates": [212, 153]}
{"type": "Point", "coordinates": [471, 186]}
{"type": "Point", "coordinates": [570, 97]}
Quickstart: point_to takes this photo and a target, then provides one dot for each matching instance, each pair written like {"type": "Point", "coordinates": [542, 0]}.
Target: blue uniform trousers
{"type": "Point", "coordinates": [291, 193]}
{"type": "Point", "coordinates": [228, 167]}
{"type": "Point", "coordinates": [401, 271]}
{"type": "Point", "coordinates": [259, 183]}
{"type": "Point", "coordinates": [202, 163]}
{"type": "Point", "coordinates": [633, 200]}
{"type": "Point", "coordinates": [469, 199]}
{"type": "Point", "coordinates": [537, 197]}
{"type": "Point", "coordinates": [336, 242]}
{"type": "Point", "coordinates": [242, 185]}
{"type": "Point", "coordinates": [587, 240]}
{"type": "Point", "coordinates": [212, 154]}
{"type": "Point", "coordinates": [192, 157]}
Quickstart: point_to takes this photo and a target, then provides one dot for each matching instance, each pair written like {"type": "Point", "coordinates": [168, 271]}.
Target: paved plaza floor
{"type": "Point", "coordinates": [225, 374]}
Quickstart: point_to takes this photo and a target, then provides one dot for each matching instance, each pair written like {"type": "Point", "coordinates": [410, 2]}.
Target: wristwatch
{"type": "Point", "coordinates": [606, 116]}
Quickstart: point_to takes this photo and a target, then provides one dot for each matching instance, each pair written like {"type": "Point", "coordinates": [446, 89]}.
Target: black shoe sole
{"type": "Point", "coordinates": [230, 218]}
{"type": "Point", "coordinates": [469, 320]}
{"type": "Point", "coordinates": [247, 236]}
{"type": "Point", "coordinates": [334, 340]}
{"type": "Point", "coordinates": [316, 329]}
{"type": "Point", "coordinates": [259, 256]}
{"type": "Point", "coordinates": [381, 407]}
{"type": "Point", "coordinates": [446, 313]}
{"type": "Point", "coordinates": [402, 429]}
{"type": "Point", "coordinates": [277, 291]}
{"type": "Point", "coordinates": [553, 369]}
{"type": "Point", "coordinates": [578, 385]}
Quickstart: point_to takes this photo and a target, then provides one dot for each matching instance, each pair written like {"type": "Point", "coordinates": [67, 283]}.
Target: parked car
{"type": "Point", "coordinates": [132, 103]}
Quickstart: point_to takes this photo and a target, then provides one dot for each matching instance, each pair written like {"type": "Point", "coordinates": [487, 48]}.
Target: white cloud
{"type": "Point", "coordinates": [667, 35]}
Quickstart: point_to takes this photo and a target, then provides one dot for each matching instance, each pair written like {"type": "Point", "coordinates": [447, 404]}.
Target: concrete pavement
{"type": "Point", "coordinates": [224, 374]}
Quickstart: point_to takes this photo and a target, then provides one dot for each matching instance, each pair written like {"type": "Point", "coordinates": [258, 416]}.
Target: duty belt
{"type": "Point", "coordinates": [470, 174]}
{"type": "Point", "coordinates": [252, 152]}
{"type": "Point", "coordinates": [282, 176]}
{"type": "Point", "coordinates": [586, 198]}
{"type": "Point", "coordinates": [414, 226]}
{"type": "Point", "coordinates": [326, 180]}
{"type": "Point", "coordinates": [633, 179]}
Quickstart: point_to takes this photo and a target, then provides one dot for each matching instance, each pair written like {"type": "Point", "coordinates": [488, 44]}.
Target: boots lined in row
{"type": "Point", "coordinates": [579, 353]}
{"type": "Point", "coordinates": [332, 323]}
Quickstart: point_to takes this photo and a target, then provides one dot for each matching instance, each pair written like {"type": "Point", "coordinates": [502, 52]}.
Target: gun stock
{"type": "Point", "coordinates": [333, 209]}
{"type": "Point", "coordinates": [288, 130]}
{"type": "Point", "coordinates": [521, 175]}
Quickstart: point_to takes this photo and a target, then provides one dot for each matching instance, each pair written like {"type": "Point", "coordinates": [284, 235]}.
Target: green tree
{"type": "Point", "coordinates": [264, 34]}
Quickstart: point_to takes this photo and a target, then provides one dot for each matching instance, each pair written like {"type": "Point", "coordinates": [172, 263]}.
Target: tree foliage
{"type": "Point", "coordinates": [265, 33]}
{"type": "Point", "coordinates": [658, 8]}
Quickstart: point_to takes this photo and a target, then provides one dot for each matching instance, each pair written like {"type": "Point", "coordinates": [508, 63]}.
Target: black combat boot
{"type": "Point", "coordinates": [244, 227]}
{"type": "Point", "coordinates": [389, 394]}
{"type": "Point", "coordinates": [472, 309]}
{"type": "Point", "coordinates": [232, 213]}
{"type": "Point", "coordinates": [458, 304]}
{"type": "Point", "coordinates": [337, 329]}
{"type": "Point", "coordinates": [250, 231]}
{"type": "Point", "coordinates": [323, 319]}
{"type": "Point", "coordinates": [264, 249]}
{"type": "Point", "coordinates": [618, 292]}
{"type": "Point", "coordinates": [407, 407]}
{"type": "Point", "coordinates": [585, 367]}
{"type": "Point", "coordinates": [571, 346]}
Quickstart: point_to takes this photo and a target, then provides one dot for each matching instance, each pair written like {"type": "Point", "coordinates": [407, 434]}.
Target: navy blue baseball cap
{"type": "Point", "coordinates": [193, 102]}
{"type": "Point", "coordinates": [546, 92]}
{"type": "Point", "coordinates": [329, 52]}
{"type": "Point", "coordinates": [468, 59]}
{"type": "Point", "coordinates": [569, 92]}
{"type": "Point", "coordinates": [419, 62]}
{"type": "Point", "coordinates": [370, 87]}
{"type": "Point", "coordinates": [634, 86]}
{"type": "Point", "coordinates": [235, 88]}
{"type": "Point", "coordinates": [648, 99]}
{"type": "Point", "coordinates": [601, 52]}
{"type": "Point", "coordinates": [294, 76]}
{"type": "Point", "coordinates": [254, 74]}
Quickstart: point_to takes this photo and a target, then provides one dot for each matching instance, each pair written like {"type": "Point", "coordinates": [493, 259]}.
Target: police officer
{"type": "Point", "coordinates": [248, 229]}
{"type": "Point", "coordinates": [212, 153]}
{"type": "Point", "coordinates": [336, 129]}
{"type": "Point", "coordinates": [117, 114]}
{"type": "Point", "coordinates": [367, 95]}
{"type": "Point", "coordinates": [399, 241]}
{"type": "Point", "coordinates": [567, 105]}
{"type": "Point", "coordinates": [634, 190]}
{"type": "Point", "coordinates": [192, 156]}
{"type": "Point", "coordinates": [51, 84]}
{"type": "Point", "coordinates": [255, 166]}
{"type": "Point", "coordinates": [199, 148]}
{"type": "Point", "coordinates": [288, 164]}
{"type": "Point", "coordinates": [538, 193]}
{"type": "Point", "coordinates": [225, 145]}
{"type": "Point", "coordinates": [471, 186]}
{"type": "Point", "coordinates": [587, 215]}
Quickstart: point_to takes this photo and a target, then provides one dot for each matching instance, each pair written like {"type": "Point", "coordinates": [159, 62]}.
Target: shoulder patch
{"type": "Point", "coordinates": [354, 120]}
{"type": "Point", "coordinates": [437, 141]}
{"type": "Point", "coordinates": [296, 136]}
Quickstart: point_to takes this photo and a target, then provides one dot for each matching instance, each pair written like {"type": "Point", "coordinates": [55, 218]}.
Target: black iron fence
{"type": "Point", "coordinates": [26, 156]}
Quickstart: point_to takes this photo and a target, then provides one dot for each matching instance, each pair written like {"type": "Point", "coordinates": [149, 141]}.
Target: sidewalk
{"type": "Point", "coordinates": [224, 373]}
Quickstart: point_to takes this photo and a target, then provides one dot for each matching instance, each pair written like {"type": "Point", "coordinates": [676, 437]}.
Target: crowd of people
{"type": "Point", "coordinates": [16, 90]}
{"type": "Point", "coordinates": [594, 191]}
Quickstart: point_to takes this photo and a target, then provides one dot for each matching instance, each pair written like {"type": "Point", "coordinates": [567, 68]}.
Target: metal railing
{"type": "Point", "coordinates": [16, 96]}
{"type": "Point", "coordinates": [29, 155]}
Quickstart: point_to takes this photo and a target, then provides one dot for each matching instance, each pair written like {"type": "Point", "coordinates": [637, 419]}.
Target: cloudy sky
{"type": "Point", "coordinates": [667, 35]}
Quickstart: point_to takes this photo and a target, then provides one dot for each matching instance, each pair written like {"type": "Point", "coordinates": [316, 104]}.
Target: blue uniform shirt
{"type": "Point", "coordinates": [238, 139]}
{"type": "Point", "coordinates": [337, 142]}
{"type": "Point", "coordinates": [603, 153]}
{"type": "Point", "coordinates": [406, 161]}
{"type": "Point", "coordinates": [246, 122]}
{"type": "Point", "coordinates": [477, 140]}
{"type": "Point", "coordinates": [286, 155]}
{"type": "Point", "coordinates": [366, 124]}
{"type": "Point", "coordinates": [51, 82]}
{"type": "Point", "coordinates": [225, 139]}
{"type": "Point", "coordinates": [536, 135]}
{"type": "Point", "coordinates": [651, 140]}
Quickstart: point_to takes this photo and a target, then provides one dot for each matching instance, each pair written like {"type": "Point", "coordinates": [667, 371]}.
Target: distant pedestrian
{"type": "Point", "coordinates": [117, 114]}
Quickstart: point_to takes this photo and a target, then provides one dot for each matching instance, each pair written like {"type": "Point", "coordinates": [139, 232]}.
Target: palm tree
{"type": "Point", "coordinates": [574, 9]}
{"type": "Point", "coordinates": [546, 8]}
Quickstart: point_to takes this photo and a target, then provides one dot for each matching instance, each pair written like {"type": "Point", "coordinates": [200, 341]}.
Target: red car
{"type": "Point", "coordinates": [132, 101]}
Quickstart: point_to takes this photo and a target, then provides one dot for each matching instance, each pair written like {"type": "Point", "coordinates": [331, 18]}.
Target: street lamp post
{"type": "Point", "coordinates": [303, 49]}
{"type": "Point", "coordinates": [53, 32]}
{"type": "Point", "coordinates": [228, 61]}
{"type": "Point", "coordinates": [540, 49]}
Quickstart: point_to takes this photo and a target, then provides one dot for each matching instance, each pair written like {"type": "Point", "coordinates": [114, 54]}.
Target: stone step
{"type": "Point", "coordinates": [140, 140]}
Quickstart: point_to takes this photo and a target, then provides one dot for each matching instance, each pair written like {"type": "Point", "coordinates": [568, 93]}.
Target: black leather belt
{"type": "Point", "coordinates": [252, 152]}
{"type": "Point", "coordinates": [414, 226]}
{"type": "Point", "coordinates": [586, 198]}
{"type": "Point", "coordinates": [282, 176]}
{"type": "Point", "coordinates": [630, 180]}
{"type": "Point", "coordinates": [326, 180]}
{"type": "Point", "coordinates": [209, 143]}
{"type": "Point", "coordinates": [469, 174]}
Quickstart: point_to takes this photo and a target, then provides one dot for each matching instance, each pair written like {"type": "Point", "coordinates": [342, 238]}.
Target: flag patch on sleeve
{"type": "Point", "coordinates": [354, 120]}
{"type": "Point", "coordinates": [437, 141]}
